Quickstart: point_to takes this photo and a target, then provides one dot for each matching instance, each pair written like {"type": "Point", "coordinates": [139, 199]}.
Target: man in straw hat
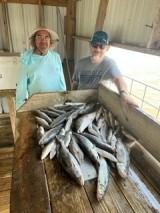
{"type": "Point", "coordinates": [41, 67]}
{"type": "Point", "coordinates": [90, 71]}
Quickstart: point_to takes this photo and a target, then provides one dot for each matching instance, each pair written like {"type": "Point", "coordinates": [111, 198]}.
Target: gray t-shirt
{"type": "Point", "coordinates": [89, 75]}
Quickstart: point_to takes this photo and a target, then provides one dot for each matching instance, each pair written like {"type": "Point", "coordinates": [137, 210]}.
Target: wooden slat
{"type": "Point", "coordinates": [49, 99]}
{"type": "Point", "coordinates": [12, 113]}
{"type": "Point", "coordinates": [59, 3]}
{"type": "Point", "coordinates": [145, 129]}
{"type": "Point", "coordinates": [5, 209]}
{"type": "Point", "coordinates": [29, 190]}
{"type": "Point", "coordinates": [63, 188]}
{"type": "Point", "coordinates": [134, 195]}
{"type": "Point", "coordinates": [4, 198]}
{"type": "Point", "coordinates": [6, 167]}
{"type": "Point", "coordinates": [113, 201]}
{"type": "Point", "coordinates": [6, 152]}
{"type": "Point", "coordinates": [148, 166]}
{"type": "Point", "coordinates": [5, 184]}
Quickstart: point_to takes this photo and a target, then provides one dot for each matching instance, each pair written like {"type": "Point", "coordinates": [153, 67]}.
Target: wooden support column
{"type": "Point", "coordinates": [69, 30]}
{"type": "Point", "coordinates": [154, 41]}
{"type": "Point", "coordinates": [101, 14]}
{"type": "Point", "coordinates": [10, 95]}
{"type": "Point", "coordinates": [40, 13]}
{"type": "Point", "coordinates": [5, 22]}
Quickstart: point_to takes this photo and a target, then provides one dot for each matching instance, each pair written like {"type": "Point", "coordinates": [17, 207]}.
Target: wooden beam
{"type": "Point", "coordinates": [58, 3]}
{"type": "Point", "coordinates": [40, 13]}
{"type": "Point", "coordinates": [124, 46]}
{"type": "Point", "coordinates": [101, 14]}
{"type": "Point", "coordinates": [154, 41]}
{"type": "Point", "coordinates": [5, 22]}
{"type": "Point", "coordinates": [70, 28]}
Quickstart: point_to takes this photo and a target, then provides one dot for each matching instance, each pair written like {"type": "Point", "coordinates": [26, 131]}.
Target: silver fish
{"type": "Point", "coordinates": [68, 124]}
{"type": "Point", "coordinates": [83, 122]}
{"type": "Point", "coordinates": [50, 135]}
{"type": "Point", "coordinates": [123, 157]}
{"type": "Point", "coordinates": [103, 178]}
{"type": "Point", "coordinates": [60, 112]}
{"type": "Point", "coordinates": [40, 132]}
{"type": "Point", "coordinates": [88, 108]}
{"type": "Point", "coordinates": [88, 147]}
{"type": "Point", "coordinates": [98, 142]}
{"type": "Point", "coordinates": [50, 113]}
{"type": "Point", "coordinates": [53, 151]}
{"type": "Point", "coordinates": [107, 155]}
{"type": "Point", "coordinates": [61, 118]}
{"type": "Point", "coordinates": [74, 104]}
{"type": "Point", "coordinates": [67, 138]}
{"type": "Point", "coordinates": [76, 150]}
{"type": "Point", "coordinates": [93, 131]}
{"type": "Point", "coordinates": [44, 116]}
{"type": "Point", "coordinates": [46, 150]}
{"type": "Point", "coordinates": [42, 122]}
{"type": "Point", "coordinates": [69, 163]}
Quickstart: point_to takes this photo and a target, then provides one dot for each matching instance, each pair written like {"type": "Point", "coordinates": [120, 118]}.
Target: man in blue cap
{"type": "Point", "coordinates": [90, 71]}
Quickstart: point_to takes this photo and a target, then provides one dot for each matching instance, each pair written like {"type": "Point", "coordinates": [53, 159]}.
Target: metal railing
{"type": "Point", "coordinates": [147, 97]}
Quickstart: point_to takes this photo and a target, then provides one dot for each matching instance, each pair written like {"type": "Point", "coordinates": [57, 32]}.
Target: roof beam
{"type": "Point", "coordinates": [58, 3]}
{"type": "Point", "coordinates": [101, 14]}
{"type": "Point", "coordinates": [124, 46]}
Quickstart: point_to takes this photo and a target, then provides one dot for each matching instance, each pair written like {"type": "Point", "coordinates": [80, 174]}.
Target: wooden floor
{"type": "Point", "coordinates": [6, 160]}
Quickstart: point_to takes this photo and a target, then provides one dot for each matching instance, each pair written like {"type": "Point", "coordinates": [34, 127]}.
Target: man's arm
{"type": "Point", "coordinates": [75, 85]}
{"type": "Point", "coordinates": [122, 88]}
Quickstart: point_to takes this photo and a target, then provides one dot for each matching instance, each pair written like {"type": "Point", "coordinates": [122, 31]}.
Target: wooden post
{"type": "Point", "coordinates": [101, 14]}
{"type": "Point", "coordinates": [154, 38]}
{"type": "Point", "coordinates": [70, 30]}
{"type": "Point", "coordinates": [5, 21]}
{"type": "Point", "coordinates": [12, 113]}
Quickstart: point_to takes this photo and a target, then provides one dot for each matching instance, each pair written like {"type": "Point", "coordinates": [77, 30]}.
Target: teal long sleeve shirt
{"type": "Point", "coordinates": [39, 74]}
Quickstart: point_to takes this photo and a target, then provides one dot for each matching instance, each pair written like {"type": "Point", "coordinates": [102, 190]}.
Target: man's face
{"type": "Point", "coordinates": [98, 49]}
{"type": "Point", "coordinates": [42, 40]}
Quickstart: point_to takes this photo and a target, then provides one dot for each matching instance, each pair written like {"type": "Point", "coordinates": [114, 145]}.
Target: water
{"type": "Point", "coordinates": [145, 69]}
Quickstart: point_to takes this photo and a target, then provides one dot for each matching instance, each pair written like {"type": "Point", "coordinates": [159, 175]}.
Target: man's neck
{"type": "Point", "coordinates": [96, 59]}
{"type": "Point", "coordinates": [39, 52]}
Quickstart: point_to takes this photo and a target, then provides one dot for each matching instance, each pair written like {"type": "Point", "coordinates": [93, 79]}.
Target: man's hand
{"type": "Point", "coordinates": [127, 100]}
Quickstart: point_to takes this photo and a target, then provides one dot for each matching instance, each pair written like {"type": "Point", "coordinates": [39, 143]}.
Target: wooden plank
{"type": "Point", "coordinates": [59, 3]}
{"type": "Point", "coordinates": [102, 10]}
{"type": "Point", "coordinates": [154, 41]}
{"type": "Point", "coordinates": [6, 152]}
{"type": "Point", "coordinates": [5, 209]}
{"type": "Point", "coordinates": [8, 92]}
{"type": "Point", "coordinates": [5, 184]}
{"type": "Point", "coordinates": [49, 99]}
{"type": "Point", "coordinates": [29, 190]}
{"type": "Point", "coordinates": [135, 194]}
{"type": "Point", "coordinates": [4, 197]}
{"type": "Point", "coordinates": [12, 113]}
{"type": "Point", "coordinates": [62, 188]}
{"type": "Point", "coordinates": [145, 129]}
{"type": "Point", "coordinates": [6, 167]}
{"type": "Point", "coordinates": [148, 165]}
{"type": "Point", "coordinates": [113, 201]}
{"type": "Point", "coordinates": [123, 46]}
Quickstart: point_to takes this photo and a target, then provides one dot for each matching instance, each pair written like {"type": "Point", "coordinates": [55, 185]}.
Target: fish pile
{"type": "Point", "coordinates": [71, 131]}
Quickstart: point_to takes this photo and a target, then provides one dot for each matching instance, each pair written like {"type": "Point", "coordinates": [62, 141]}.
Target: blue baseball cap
{"type": "Point", "coordinates": [100, 37]}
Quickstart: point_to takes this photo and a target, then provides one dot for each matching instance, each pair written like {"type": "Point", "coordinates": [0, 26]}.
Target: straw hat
{"type": "Point", "coordinates": [53, 35]}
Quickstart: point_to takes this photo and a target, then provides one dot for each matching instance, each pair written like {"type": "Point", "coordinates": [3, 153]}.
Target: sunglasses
{"type": "Point", "coordinates": [96, 45]}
